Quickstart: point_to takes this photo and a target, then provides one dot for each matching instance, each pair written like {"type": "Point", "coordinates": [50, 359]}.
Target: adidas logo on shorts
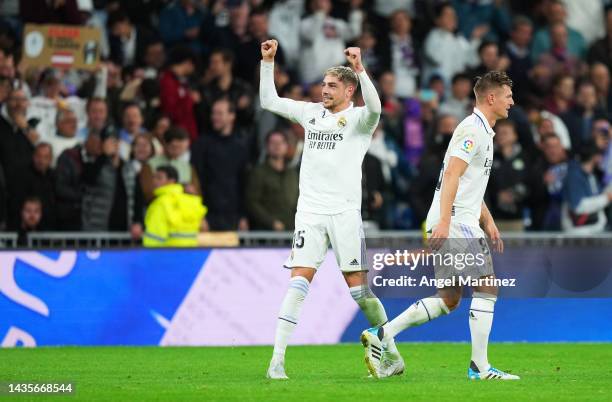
{"type": "Point", "coordinates": [354, 262]}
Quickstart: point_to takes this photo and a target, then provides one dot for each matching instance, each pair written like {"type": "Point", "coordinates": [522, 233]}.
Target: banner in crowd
{"type": "Point", "coordinates": [61, 46]}
{"type": "Point", "coordinates": [228, 297]}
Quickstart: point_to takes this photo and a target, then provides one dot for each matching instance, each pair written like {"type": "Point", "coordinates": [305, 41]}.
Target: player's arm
{"type": "Point", "coordinates": [488, 225]}
{"type": "Point", "coordinates": [373, 107]}
{"type": "Point", "coordinates": [450, 183]}
{"type": "Point", "coordinates": [268, 96]}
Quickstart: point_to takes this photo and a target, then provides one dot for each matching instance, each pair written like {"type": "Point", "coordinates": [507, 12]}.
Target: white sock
{"type": "Point", "coordinates": [289, 314]}
{"type": "Point", "coordinates": [421, 311]}
{"type": "Point", "coordinates": [481, 319]}
{"type": "Point", "coordinates": [373, 310]}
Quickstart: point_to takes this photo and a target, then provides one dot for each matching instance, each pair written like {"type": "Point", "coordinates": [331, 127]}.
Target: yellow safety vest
{"type": "Point", "coordinates": [173, 218]}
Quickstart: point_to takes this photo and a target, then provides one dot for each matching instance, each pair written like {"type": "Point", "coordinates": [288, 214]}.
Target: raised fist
{"type": "Point", "coordinates": [353, 56]}
{"type": "Point", "coordinates": [268, 49]}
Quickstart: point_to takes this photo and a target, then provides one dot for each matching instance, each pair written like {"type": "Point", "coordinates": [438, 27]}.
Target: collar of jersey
{"type": "Point", "coordinates": [484, 120]}
{"type": "Point", "coordinates": [350, 106]}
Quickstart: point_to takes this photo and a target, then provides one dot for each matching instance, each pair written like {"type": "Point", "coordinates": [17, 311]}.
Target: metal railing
{"type": "Point", "coordinates": [374, 238]}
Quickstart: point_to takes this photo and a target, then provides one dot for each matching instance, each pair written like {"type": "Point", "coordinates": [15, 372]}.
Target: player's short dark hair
{"type": "Point", "coordinates": [259, 10]}
{"type": "Point", "coordinates": [170, 172]}
{"type": "Point", "coordinates": [492, 79]}
{"type": "Point", "coordinates": [175, 134]}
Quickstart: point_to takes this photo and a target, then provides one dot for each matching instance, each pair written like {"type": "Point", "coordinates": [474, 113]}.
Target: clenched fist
{"type": "Point", "coordinates": [268, 50]}
{"type": "Point", "coordinates": [353, 56]}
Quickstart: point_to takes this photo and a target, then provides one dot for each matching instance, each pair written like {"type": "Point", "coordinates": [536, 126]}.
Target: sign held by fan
{"type": "Point", "coordinates": [61, 46]}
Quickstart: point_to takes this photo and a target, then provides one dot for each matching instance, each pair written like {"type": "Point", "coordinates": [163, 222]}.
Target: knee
{"type": "Point", "coordinates": [452, 301]}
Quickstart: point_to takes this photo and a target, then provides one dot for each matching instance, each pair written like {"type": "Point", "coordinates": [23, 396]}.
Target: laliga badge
{"type": "Point", "coordinates": [342, 121]}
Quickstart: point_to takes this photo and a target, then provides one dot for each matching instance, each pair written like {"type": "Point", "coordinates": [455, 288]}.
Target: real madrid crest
{"type": "Point", "coordinates": [342, 121]}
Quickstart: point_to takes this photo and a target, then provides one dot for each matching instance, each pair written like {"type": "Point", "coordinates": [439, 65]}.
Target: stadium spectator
{"type": "Point", "coordinates": [50, 12]}
{"type": "Point", "coordinates": [399, 54]}
{"type": "Point", "coordinates": [283, 18]}
{"type": "Point", "coordinates": [490, 59]}
{"type": "Point", "coordinates": [509, 179]}
{"type": "Point", "coordinates": [220, 158]}
{"type": "Point", "coordinates": [127, 42]}
{"type": "Point", "coordinates": [373, 186]}
{"type": "Point", "coordinates": [179, 23]}
{"type": "Point", "coordinates": [447, 53]}
{"type": "Point", "coordinates": [230, 35]}
{"type": "Point", "coordinates": [142, 151]}
{"type": "Point", "coordinates": [324, 39]}
{"type": "Point", "coordinates": [369, 45]}
{"type": "Point", "coordinates": [428, 171]}
{"type": "Point", "coordinates": [585, 17]}
{"type": "Point", "coordinates": [30, 217]}
{"type": "Point", "coordinates": [173, 219]}
{"type": "Point", "coordinates": [248, 52]}
{"type": "Point", "coordinates": [69, 182]}
{"type": "Point", "coordinates": [600, 50]}
{"type": "Point", "coordinates": [112, 199]}
{"type": "Point", "coordinates": [459, 103]}
{"type": "Point", "coordinates": [579, 118]}
{"type": "Point", "coordinates": [475, 14]}
{"type": "Point", "coordinates": [177, 98]}
{"type": "Point", "coordinates": [65, 134]}
{"type": "Point", "coordinates": [583, 201]}
{"type": "Point", "coordinates": [132, 126]}
{"type": "Point", "coordinates": [39, 181]}
{"type": "Point", "coordinates": [6, 85]}
{"type": "Point", "coordinates": [517, 50]}
{"type": "Point", "coordinates": [542, 40]}
{"type": "Point", "coordinates": [176, 147]}
{"type": "Point", "coordinates": [219, 82]}
{"type": "Point", "coordinates": [600, 77]}
{"type": "Point", "coordinates": [392, 107]}
{"type": "Point", "coordinates": [158, 127]}
{"type": "Point", "coordinates": [562, 97]}
{"type": "Point", "coordinates": [43, 108]}
{"type": "Point", "coordinates": [558, 59]}
{"type": "Point", "coordinates": [154, 58]}
{"type": "Point", "coordinates": [547, 191]}
{"type": "Point", "coordinates": [97, 118]}
{"type": "Point", "coordinates": [17, 141]}
{"type": "Point", "coordinates": [272, 190]}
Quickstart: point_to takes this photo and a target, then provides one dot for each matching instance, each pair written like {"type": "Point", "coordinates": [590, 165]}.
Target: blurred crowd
{"type": "Point", "coordinates": [178, 82]}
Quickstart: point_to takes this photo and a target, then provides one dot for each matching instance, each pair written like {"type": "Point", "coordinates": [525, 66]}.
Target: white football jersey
{"type": "Point", "coordinates": [334, 145]}
{"type": "Point", "coordinates": [472, 141]}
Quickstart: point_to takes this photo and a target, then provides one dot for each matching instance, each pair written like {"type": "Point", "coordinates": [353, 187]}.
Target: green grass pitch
{"type": "Point", "coordinates": [434, 371]}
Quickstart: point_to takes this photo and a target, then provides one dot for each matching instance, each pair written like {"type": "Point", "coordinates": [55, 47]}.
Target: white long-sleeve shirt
{"type": "Point", "coordinates": [447, 54]}
{"type": "Point", "coordinates": [334, 145]}
{"type": "Point", "coordinates": [323, 41]}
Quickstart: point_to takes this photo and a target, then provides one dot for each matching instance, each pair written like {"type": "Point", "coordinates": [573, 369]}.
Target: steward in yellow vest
{"type": "Point", "coordinates": [173, 218]}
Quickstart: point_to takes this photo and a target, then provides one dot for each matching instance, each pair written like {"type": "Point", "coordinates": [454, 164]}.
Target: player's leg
{"type": "Point", "coordinates": [308, 252]}
{"type": "Point", "coordinates": [346, 235]}
{"type": "Point", "coordinates": [481, 313]}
